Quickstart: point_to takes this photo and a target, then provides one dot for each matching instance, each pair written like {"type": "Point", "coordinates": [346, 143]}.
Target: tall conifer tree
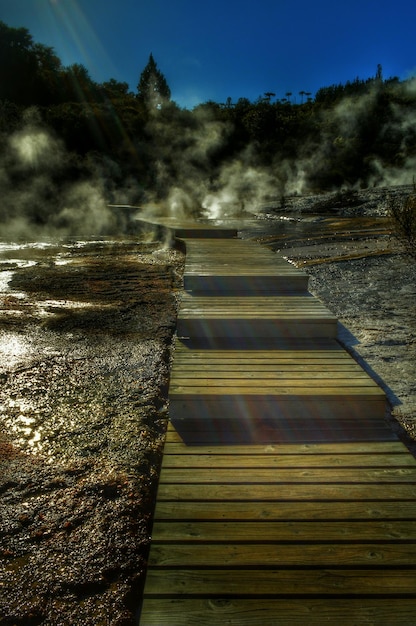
{"type": "Point", "coordinates": [153, 88]}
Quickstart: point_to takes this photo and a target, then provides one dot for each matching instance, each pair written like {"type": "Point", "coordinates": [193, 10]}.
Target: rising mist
{"type": "Point", "coordinates": [214, 161]}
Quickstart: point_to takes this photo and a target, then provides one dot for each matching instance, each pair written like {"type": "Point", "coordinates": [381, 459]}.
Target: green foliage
{"type": "Point", "coordinates": [18, 64]}
{"type": "Point", "coordinates": [403, 213]}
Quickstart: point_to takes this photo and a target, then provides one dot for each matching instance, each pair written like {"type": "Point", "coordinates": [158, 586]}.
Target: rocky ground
{"type": "Point", "coordinates": [360, 270]}
{"type": "Point", "coordinates": [85, 331]}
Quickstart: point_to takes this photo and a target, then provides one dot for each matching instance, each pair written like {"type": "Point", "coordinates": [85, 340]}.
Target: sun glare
{"type": "Point", "coordinates": [78, 41]}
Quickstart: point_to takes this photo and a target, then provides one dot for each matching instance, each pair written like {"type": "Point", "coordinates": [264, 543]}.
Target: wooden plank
{"type": "Point", "coordinates": [250, 256]}
{"type": "Point", "coordinates": [294, 475]}
{"type": "Point", "coordinates": [245, 283]}
{"type": "Point", "coordinates": [233, 582]}
{"type": "Point", "coordinates": [210, 249]}
{"type": "Point", "coordinates": [256, 349]}
{"type": "Point", "coordinates": [256, 303]}
{"type": "Point", "coordinates": [274, 510]}
{"type": "Point", "coordinates": [278, 555]}
{"type": "Point", "coordinates": [246, 327]}
{"type": "Point", "coordinates": [247, 312]}
{"type": "Point", "coordinates": [253, 355]}
{"type": "Point", "coordinates": [290, 363]}
{"type": "Point", "coordinates": [269, 492]}
{"type": "Point", "coordinates": [244, 266]}
{"type": "Point", "coordinates": [367, 388]}
{"type": "Point", "coordinates": [303, 299]}
{"type": "Point", "coordinates": [185, 375]}
{"type": "Point", "coordinates": [263, 368]}
{"type": "Point", "coordinates": [317, 364]}
{"type": "Point", "coordinates": [261, 357]}
{"type": "Point", "coordinates": [275, 612]}
{"type": "Point", "coordinates": [288, 461]}
{"type": "Point", "coordinates": [232, 252]}
{"type": "Point", "coordinates": [250, 259]}
{"type": "Point", "coordinates": [229, 253]}
{"type": "Point", "coordinates": [273, 380]}
{"type": "Point", "coordinates": [283, 531]}
{"type": "Point", "coordinates": [222, 433]}
{"type": "Point", "coordinates": [264, 268]}
{"type": "Point", "coordinates": [174, 445]}
{"type": "Point", "coordinates": [295, 348]}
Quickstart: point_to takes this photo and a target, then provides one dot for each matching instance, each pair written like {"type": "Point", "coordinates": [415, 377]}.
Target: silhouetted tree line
{"type": "Point", "coordinates": [350, 125]}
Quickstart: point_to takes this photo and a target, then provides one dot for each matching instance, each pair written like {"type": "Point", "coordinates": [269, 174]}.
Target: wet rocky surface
{"type": "Point", "coordinates": [85, 335]}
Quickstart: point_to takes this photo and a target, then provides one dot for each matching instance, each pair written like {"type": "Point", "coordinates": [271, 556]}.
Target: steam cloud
{"type": "Point", "coordinates": [185, 171]}
{"type": "Point", "coordinates": [241, 183]}
{"type": "Point", "coordinates": [37, 200]}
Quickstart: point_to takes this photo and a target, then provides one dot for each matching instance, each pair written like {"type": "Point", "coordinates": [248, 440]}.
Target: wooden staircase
{"type": "Point", "coordinates": [305, 393]}
{"type": "Point", "coordinates": [256, 357]}
{"type": "Point", "coordinates": [284, 496]}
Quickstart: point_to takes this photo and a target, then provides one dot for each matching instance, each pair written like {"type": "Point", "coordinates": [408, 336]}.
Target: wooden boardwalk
{"type": "Point", "coordinates": [284, 496]}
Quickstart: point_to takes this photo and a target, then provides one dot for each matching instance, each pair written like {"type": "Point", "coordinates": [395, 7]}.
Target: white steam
{"type": "Point", "coordinates": [35, 148]}
{"type": "Point", "coordinates": [187, 149]}
{"type": "Point", "coordinates": [189, 185]}
{"type": "Point", "coordinates": [241, 187]}
{"type": "Point", "coordinates": [84, 209]}
{"type": "Point", "coordinates": [35, 199]}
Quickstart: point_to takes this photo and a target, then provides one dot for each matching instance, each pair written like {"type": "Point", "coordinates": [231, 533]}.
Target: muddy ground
{"type": "Point", "coordinates": [85, 332]}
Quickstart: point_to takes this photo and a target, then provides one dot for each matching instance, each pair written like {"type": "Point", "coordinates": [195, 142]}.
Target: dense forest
{"type": "Point", "coordinates": [59, 126]}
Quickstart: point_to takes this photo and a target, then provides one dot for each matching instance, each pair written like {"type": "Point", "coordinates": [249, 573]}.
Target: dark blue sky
{"type": "Point", "coordinates": [226, 48]}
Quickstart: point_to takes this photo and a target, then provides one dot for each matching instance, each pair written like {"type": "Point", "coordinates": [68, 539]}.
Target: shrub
{"type": "Point", "coordinates": [403, 213]}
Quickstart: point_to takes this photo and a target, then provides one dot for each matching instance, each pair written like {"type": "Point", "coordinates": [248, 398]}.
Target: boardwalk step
{"type": "Point", "coordinates": [212, 267]}
{"type": "Point", "coordinates": [183, 228]}
{"type": "Point", "coordinates": [268, 282]}
{"type": "Point", "coordinates": [295, 392]}
{"type": "Point", "coordinates": [248, 420]}
{"type": "Point", "coordinates": [255, 316]}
